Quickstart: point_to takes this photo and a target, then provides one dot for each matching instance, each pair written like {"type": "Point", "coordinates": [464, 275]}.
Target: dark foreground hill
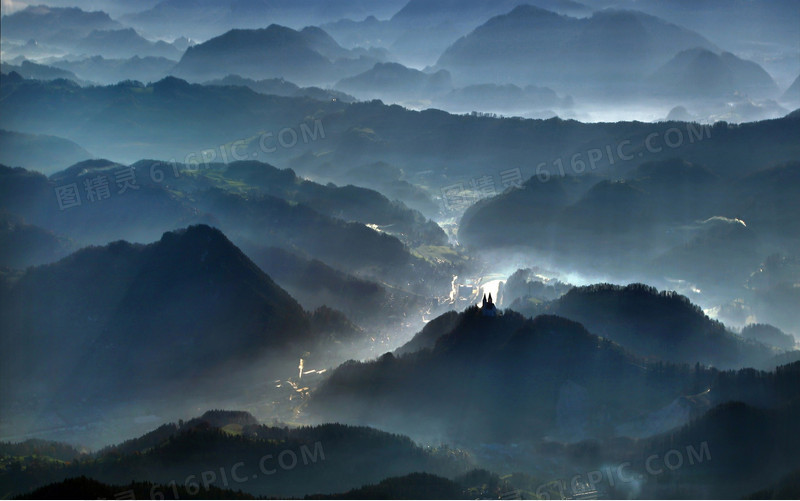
{"type": "Point", "coordinates": [511, 379]}
{"type": "Point", "coordinates": [215, 452]}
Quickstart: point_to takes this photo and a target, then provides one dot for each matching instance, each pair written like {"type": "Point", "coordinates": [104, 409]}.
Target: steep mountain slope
{"type": "Point", "coordinates": [792, 94]}
{"type": "Point", "coordinates": [127, 321]}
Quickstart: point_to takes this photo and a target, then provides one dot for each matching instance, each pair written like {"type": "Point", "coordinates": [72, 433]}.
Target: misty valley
{"type": "Point", "coordinates": [408, 249]}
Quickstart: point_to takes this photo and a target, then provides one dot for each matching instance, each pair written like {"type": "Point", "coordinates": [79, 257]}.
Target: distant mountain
{"type": "Point", "coordinates": [35, 71]}
{"type": "Point", "coordinates": [474, 10]}
{"type": "Point", "coordinates": [769, 335]}
{"type": "Point", "coordinates": [203, 20]}
{"type": "Point", "coordinates": [528, 286]}
{"type": "Point", "coordinates": [273, 52]}
{"type": "Point", "coordinates": [349, 246]}
{"type": "Point", "coordinates": [55, 24]}
{"type": "Point", "coordinates": [740, 26]}
{"type": "Point", "coordinates": [383, 177]}
{"type": "Point", "coordinates": [44, 153]}
{"type": "Point", "coordinates": [701, 73]}
{"type": "Point", "coordinates": [712, 247]}
{"type": "Point", "coordinates": [111, 71]}
{"type": "Point", "coordinates": [145, 115]}
{"type": "Point", "coordinates": [792, 94]}
{"type": "Point", "coordinates": [367, 133]}
{"type": "Point", "coordinates": [655, 325]}
{"type": "Point", "coordinates": [100, 214]}
{"type": "Point", "coordinates": [502, 98]}
{"type": "Point", "coordinates": [257, 205]}
{"type": "Point", "coordinates": [124, 43]}
{"type": "Point", "coordinates": [530, 45]}
{"type": "Point", "coordinates": [309, 56]}
{"type": "Point", "coordinates": [281, 87]}
{"type": "Point", "coordinates": [350, 203]}
{"type": "Point", "coordinates": [23, 245]}
{"type": "Point", "coordinates": [776, 210]}
{"type": "Point", "coordinates": [424, 29]}
{"type": "Point", "coordinates": [395, 81]}
{"type": "Point", "coordinates": [327, 458]}
{"type": "Point", "coordinates": [677, 217]}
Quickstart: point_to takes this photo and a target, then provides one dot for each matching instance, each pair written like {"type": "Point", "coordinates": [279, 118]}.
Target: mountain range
{"type": "Point", "coordinates": [550, 360]}
{"type": "Point", "coordinates": [325, 459]}
{"type": "Point", "coordinates": [309, 56]}
{"type": "Point", "coordinates": [530, 45]}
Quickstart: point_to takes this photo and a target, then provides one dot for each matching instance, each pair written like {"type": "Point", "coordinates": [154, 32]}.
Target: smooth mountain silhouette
{"type": "Point", "coordinates": [395, 81]}
{"type": "Point", "coordinates": [530, 45]}
{"type": "Point", "coordinates": [701, 73]}
{"type": "Point", "coordinates": [308, 56]}
{"type": "Point", "coordinates": [44, 153]}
